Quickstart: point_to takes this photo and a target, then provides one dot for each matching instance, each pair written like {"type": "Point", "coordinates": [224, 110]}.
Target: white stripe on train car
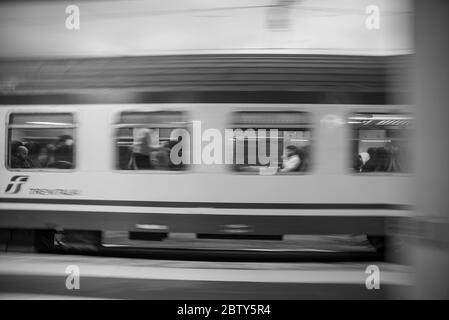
{"type": "Point", "coordinates": [209, 211]}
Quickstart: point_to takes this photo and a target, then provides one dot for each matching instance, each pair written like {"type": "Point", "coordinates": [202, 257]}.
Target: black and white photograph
{"type": "Point", "coordinates": [224, 156]}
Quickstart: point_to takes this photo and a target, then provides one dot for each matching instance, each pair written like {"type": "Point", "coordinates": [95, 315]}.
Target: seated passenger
{"type": "Point", "coordinates": [34, 149]}
{"type": "Point", "coordinates": [14, 145]}
{"type": "Point", "coordinates": [304, 156]}
{"type": "Point", "coordinates": [357, 162]}
{"type": "Point", "coordinates": [372, 163]}
{"type": "Point", "coordinates": [360, 160]}
{"type": "Point", "coordinates": [291, 161]}
{"type": "Point", "coordinates": [64, 149]}
{"type": "Point", "coordinates": [20, 159]}
{"type": "Point", "coordinates": [63, 153]}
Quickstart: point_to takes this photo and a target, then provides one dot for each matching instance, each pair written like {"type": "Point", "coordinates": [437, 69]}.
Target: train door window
{"type": "Point", "coordinates": [271, 141]}
{"type": "Point", "coordinates": [381, 142]}
{"type": "Point", "coordinates": [151, 140]}
{"type": "Point", "coordinates": [38, 141]}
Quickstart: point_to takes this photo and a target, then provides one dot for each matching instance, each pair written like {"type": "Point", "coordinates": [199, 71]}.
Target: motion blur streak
{"type": "Point", "coordinates": [431, 253]}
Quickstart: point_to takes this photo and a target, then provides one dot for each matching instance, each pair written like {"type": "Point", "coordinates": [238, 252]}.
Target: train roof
{"type": "Point", "coordinates": [333, 78]}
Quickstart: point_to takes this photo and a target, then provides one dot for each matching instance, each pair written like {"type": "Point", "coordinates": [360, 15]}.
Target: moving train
{"type": "Point", "coordinates": [89, 145]}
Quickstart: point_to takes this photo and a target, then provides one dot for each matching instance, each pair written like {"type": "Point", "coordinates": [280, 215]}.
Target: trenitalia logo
{"type": "Point", "coordinates": [15, 183]}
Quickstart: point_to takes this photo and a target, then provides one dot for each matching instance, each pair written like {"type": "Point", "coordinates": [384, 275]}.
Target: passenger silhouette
{"type": "Point", "coordinates": [20, 159]}
{"type": "Point", "coordinates": [291, 160]}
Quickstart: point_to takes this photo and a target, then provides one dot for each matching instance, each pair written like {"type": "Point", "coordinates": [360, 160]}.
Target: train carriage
{"type": "Point", "coordinates": [81, 119]}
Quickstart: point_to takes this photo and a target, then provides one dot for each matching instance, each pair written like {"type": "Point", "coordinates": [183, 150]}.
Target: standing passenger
{"type": "Point", "coordinates": [140, 158]}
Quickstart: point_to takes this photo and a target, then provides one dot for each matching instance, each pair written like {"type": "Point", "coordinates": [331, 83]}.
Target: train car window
{"type": "Point", "coordinates": [38, 141]}
{"type": "Point", "coordinates": [273, 142]}
{"type": "Point", "coordinates": [381, 142]}
{"type": "Point", "coordinates": [147, 140]}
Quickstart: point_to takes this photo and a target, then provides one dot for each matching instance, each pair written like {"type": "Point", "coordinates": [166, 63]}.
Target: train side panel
{"type": "Point", "coordinates": [205, 198]}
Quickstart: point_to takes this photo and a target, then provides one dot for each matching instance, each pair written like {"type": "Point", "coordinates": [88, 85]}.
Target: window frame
{"type": "Point", "coordinates": [117, 125]}
{"type": "Point", "coordinates": [311, 125]}
{"type": "Point", "coordinates": [74, 126]}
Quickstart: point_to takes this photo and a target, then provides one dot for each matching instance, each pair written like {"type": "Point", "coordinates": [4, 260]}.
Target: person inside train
{"type": "Point", "coordinates": [13, 146]}
{"type": "Point", "coordinates": [160, 159]}
{"type": "Point", "coordinates": [394, 164]}
{"type": "Point", "coordinates": [141, 151]}
{"type": "Point", "coordinates": [357, 162]}
{"type": "Point", "coordinates": [64, 148]}
{"type": "Point", "coordinates": [63, 153]}
{"type": "Point", "coordinates": [304, 156]}
{"type": "Point", "coordinates": [20, 158]}
{"type": "Point", "coordinates": [372, 164]}
{"type": "Point", "coordinates": [360, 160]}
{"type": "Point", "coordinates": [46, 155]}
{"type": "Point", "coordinates": [381, 160]}
{"type": "Point", "coordinates": [34, 150]}
{"type": "Point", "coordinates": [291, 160]}
{"type": "Point", "coordinates": [13, 151]}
